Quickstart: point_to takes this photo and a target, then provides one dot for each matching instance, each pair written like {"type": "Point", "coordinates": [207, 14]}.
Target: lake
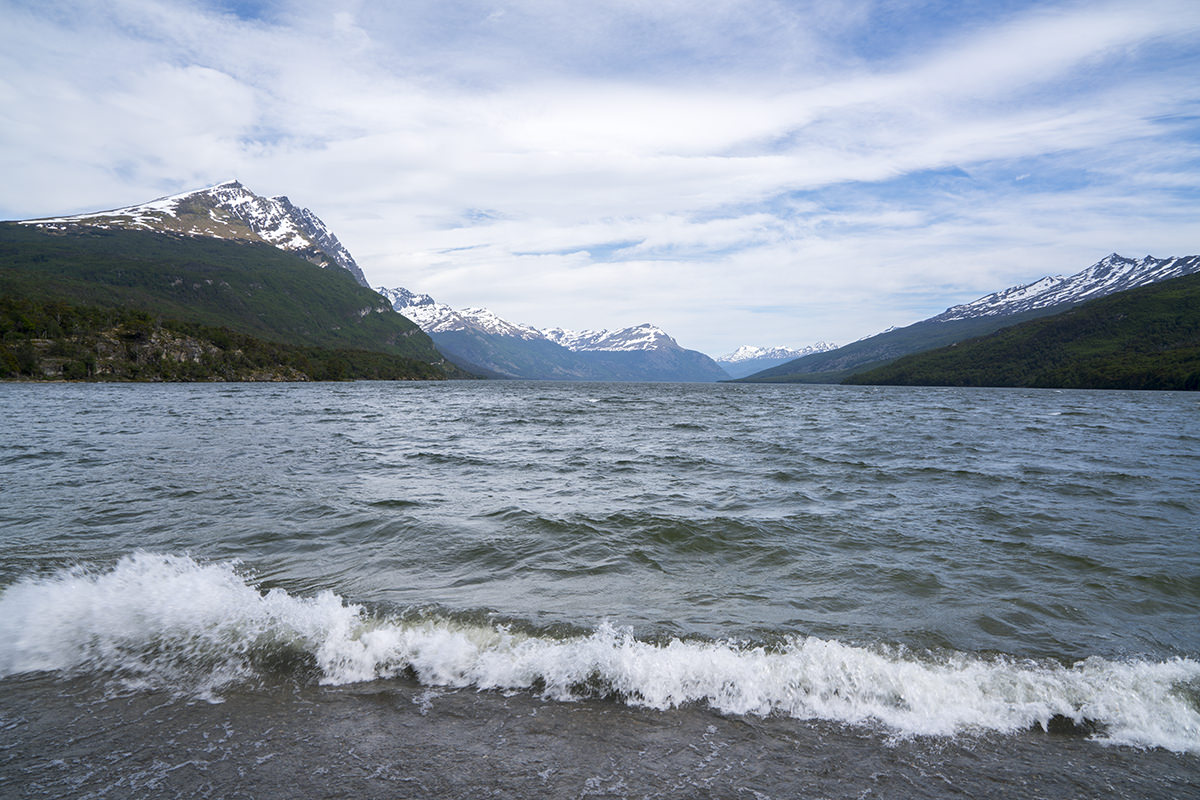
{"type": "Point", "coordinates": [515, 589]}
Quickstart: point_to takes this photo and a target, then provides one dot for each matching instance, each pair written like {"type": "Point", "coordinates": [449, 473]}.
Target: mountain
{"type": "Point", "coordinates": [227, 211]}
{"type": "Point", "coordinates": [640, 352]}
{"type": "Point", "coordinates": [434, 317]}
{"type": "Point", "coordinates": [749, 359]}
{"type": "Point", "coordinates": [480, 341]}
{"type": "Point", "coordinates": [236, 284]}
{"type": "Point", "coordinates": [1142, 338]}
{"type": "Point", "coordinates": [1114, 273]}
{"type": "Point", "coordinates": [636, 337]}
{"type": "Point", "coordinates": [1047, 296]}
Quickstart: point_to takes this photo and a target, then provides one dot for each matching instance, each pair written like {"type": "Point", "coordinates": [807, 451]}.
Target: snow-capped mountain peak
{"type": "Point", "coordinates": [749, 352]}
{"type": "Point", "coordinates": [1113, 273]}
{"type": "Point", "coordinates": [488, 321]}
{"type": "Point", "coordinates": [225, 211]}
{"type": "Point", "coordinates": [749, 358]}
{"type": "Point", "coordinates": [635, 337]}
{"type": "Point", "coordinates": [486, 343]}
{"type": "Point", "coordinates": [403, 298]}
{"type": "Point", "coordinates": [434, 317]}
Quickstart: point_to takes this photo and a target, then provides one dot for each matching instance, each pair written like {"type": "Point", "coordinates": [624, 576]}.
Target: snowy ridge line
{"type": "Point", "coordinates": [434, 317]}
{"type": "Point", "coordinates": [225, 211]}
{"type": "Point", "coordinates": [167, 205]}
{"type": "Point", "coordinates": [1114, 273]}
{"type": "Point", "coordinates": [171, 623]}
{"type": "Point", "coordinates": [635, 337]}
{"type": "Point", "coordinates": [749, 352]}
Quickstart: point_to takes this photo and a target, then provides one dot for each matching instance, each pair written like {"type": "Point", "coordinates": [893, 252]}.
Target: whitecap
{"type": "Point", "coordinates": [171, 622]}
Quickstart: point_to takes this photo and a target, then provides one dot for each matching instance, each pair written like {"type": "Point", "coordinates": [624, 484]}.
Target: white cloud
{"type": "Point", "coordinates": [635, 162]}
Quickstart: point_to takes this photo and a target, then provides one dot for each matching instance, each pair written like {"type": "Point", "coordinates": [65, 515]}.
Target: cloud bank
{"type": "Point", "coordinates": [749, 173]}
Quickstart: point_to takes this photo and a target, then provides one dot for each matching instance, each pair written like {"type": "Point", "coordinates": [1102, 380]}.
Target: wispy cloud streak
{"type": "Point", "coordinates": [762, 172]}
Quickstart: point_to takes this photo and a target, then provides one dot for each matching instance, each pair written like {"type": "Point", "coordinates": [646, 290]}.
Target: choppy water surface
{"type": "Point", "coordinates": [974, 582]}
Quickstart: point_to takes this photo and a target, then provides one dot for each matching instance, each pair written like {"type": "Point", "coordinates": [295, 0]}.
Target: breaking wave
{"type": "Point", "coordinates": [170, 622]}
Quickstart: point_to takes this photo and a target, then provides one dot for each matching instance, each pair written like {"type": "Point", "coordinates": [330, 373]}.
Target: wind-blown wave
{"type": "Point", "coordinates": [171, 622]}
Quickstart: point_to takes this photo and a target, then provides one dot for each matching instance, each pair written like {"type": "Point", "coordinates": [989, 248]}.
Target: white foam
{"type": "Point", "coordinates": [160, 620]}
{"type": "Point", "coordinates": [168, 621]}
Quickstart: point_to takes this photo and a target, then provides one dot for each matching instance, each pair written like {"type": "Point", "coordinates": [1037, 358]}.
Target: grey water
{"type": "Point", "coordinates": [588, 589]}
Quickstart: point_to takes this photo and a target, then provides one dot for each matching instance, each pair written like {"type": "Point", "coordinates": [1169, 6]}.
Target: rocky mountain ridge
{"type": "Point", "coordinates": [635, 337]}
{"type": "Point", "coordinates": [225, 211]}
{"type": "Point", "coordinates": [749, 352]}
{"type": "Point", "coordinates": [749, 359]}
{"type": "Point", "coordinates": [482, 341]}
{"type": "Point", "coordinates": [1113, 273]}
{"type": "Point", "coordinates": [1048, 295]}
{"type": "Point", "coordinates": [1145, 338]}
{"type": "Point", "coordinates": [435, 317]}
{"type": "Point", "coordinates": [479, 338]}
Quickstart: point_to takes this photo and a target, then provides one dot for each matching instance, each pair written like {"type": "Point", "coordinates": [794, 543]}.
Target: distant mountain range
{"type": "Point", "coordinates": [237, 261]}
{"type": "Point", "coordinates": [1045, 297]}
{"type": "Point", "coordinates": [475, 338]}
{"type": "Point", "coordinates": [748, 359]}
{"type": "Point", "coordinates": [480, 341]}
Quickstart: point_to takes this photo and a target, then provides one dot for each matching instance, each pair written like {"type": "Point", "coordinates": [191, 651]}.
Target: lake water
{"type": "Point", "coordinates": [514, 589]}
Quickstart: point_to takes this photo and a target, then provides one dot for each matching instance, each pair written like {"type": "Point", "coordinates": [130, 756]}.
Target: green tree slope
{"type": "Point", "coordinates": [833, 366]}
{"type": "Point", "coordinates": [253, 289]}
{"type": "Point", "coordinates": [1144, 338]}
{"type": "Point", "coordinates": [54, 340]}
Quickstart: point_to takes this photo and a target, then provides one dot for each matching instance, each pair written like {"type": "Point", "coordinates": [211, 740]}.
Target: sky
{"type": "Point", "coordinates": [737, 172]}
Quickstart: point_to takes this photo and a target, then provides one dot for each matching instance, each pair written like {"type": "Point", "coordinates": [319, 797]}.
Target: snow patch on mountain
{"type": "Point", "coordinates": [749, 359]}
{"type": "Point", "coordinates": [434, 317]}
{"type": "Point", "coordinates": [635, 337]}
{"type": "Point", "coordinates": [749, 352]}
{"type": "Point", "coordinates": [1114, 273]}
{"type": "Point", "coordinates": [226, 211]}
